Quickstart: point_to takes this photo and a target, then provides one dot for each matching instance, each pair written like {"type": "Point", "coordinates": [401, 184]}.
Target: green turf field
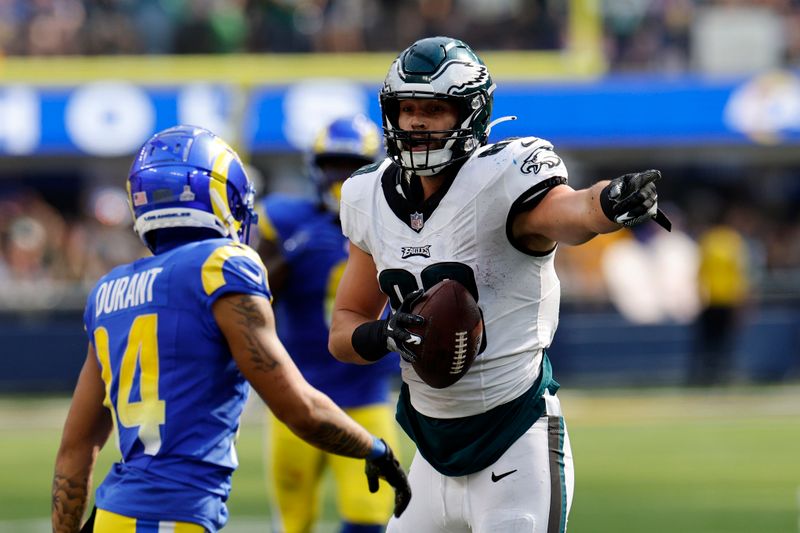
{"type": "Point", "coordinates": [646, 461]}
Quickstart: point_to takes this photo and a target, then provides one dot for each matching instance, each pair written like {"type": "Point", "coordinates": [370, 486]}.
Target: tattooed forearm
{"type": "Point", "coordinates": [336, 439]}
{"type": "Point", "coordinates": [249, 326]}
{"type": "Point", "coordinates": [249, 317]}
{"type": "Point", "coordinates": [69, 497]}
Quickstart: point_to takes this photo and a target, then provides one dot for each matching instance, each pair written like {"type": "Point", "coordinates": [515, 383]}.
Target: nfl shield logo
{"type": "Point", "coordinates": [416, 221]}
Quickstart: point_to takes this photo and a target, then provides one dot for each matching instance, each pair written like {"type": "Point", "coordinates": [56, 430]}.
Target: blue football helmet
{"type": "Point", "coordinates": [341, 148]}
{"type": "Point", "coordinates": [439, 68]}
{"type": "Point", "coordinates": [187, 177]}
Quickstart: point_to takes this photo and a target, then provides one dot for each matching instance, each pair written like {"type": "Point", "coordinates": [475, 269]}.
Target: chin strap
{"type": "Point", "coordinates": [227, 216]}
{"type": "Point", "coordinates": [498, 121]}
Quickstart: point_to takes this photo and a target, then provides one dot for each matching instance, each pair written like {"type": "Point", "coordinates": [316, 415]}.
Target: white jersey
{"type": "Point", "coordinates": [462, 232]}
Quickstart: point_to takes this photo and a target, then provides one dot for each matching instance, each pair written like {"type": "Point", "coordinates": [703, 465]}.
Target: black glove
{"type": "Point", "coordinates": [398, 338]}
{"type": "Point", "coordinates": [388, 468]}
{"type": "Point", "coordinates": [632, 199]}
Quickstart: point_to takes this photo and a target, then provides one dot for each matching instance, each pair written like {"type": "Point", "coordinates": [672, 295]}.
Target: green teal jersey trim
{"type": "Point", "coordinates": [462, 446]}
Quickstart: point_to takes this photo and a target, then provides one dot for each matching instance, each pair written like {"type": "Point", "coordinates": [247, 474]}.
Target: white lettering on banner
{"type": "Point", "coordinates": [765, 107]}
{"type": "Point", "coordinates": [210, 106]}
{"type": "Point", "coordinates": [311, 104]}
{"type": "Point", "coordinates": [125, 292]}
{"type": "Point", "coordinates": [109, 118]}
{"type": "Point", "coordinates": [20, 120]}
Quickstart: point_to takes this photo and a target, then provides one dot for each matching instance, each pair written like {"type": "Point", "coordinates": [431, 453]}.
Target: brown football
{"type": "Point", "coordinates": [451, 334]}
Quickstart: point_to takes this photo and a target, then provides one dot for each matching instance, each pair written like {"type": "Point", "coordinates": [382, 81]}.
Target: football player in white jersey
{"type": "Point", "coordinates": [493, 452]}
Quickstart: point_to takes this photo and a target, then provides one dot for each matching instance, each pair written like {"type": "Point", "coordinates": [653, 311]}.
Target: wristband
{"type": "Point", "coordinates": [369, 340]}
{"type": "Point", "coordinates": [378, 449]}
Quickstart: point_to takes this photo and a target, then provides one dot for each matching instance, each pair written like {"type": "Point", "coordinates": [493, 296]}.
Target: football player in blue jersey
{"type": "Point", "coordinates": [174, 340]}
{"type": "Point", "coordinates": [304, 250]}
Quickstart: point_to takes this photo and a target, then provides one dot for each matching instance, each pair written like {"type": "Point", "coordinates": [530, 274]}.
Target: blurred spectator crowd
{"type": "Point", "coordinates": [50, 257]}
{"type": "Point", "coordinates": [87, 27]}
{"type": "Point", "coordinates": [639, 34]}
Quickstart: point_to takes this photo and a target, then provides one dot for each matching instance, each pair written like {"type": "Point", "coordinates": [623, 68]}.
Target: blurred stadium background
{"type": "Point", "coordinates": [708, 91]}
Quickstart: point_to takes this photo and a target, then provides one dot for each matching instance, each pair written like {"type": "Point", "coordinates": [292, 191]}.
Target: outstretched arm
{"type": "Point", "coordinates": [564, 215]}
{"type": "Point", "coordinates": [574, 217]}
{"type": "Point", "coordinates": [248, 324]}
{"type": "Point", "coordinates": [85, 432]}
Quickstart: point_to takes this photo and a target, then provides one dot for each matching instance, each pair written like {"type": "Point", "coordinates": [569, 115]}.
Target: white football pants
{"type": "Point", "coordinates": [528, 490]}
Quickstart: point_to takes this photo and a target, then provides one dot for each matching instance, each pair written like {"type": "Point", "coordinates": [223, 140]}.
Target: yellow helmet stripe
{"type": "Point", "coordinates": [219, 181]}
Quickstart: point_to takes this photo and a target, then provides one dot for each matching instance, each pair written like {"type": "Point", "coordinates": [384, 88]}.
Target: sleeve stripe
{"type": "Point", "coordinates": [213, 278]}
{"type": "Point", "coordinates": [527, 201]}
{"type": "Point", "coordinates": [531, 198]}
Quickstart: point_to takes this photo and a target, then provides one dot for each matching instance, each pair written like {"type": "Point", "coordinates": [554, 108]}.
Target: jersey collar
{"type": "Point", "coordinates": [405, 197]}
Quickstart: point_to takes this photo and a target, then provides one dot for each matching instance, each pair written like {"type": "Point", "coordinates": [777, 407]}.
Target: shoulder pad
{"type": "Point", "coordinates": [536, 155]}
{"type": "Point", "coordinates": [366, 169]}
{"type": "Point", "coordinates": [492, 149]}
{"type": "Point", "coordinates": [235, 265]}
{"type": "Point", "coordinates": [363, 180]}
{"type": "Point", "coordinates": [529, 155]}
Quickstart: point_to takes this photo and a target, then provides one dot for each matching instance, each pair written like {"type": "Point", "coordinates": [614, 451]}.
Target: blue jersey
{"type": "Point", "coordinates": [172, 386]}
{"type": "Point", "coordinates": [316, 252]}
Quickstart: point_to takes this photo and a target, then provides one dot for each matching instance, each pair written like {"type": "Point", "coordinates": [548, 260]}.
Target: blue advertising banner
{"type": "Point", "coordinates": [618, 111]}
{"type": "Point", "coordinates": [104, 119]}
{"type": "Point", "coordinates": [633, 111]}
{"type": "Point", "coordinates": [110, 118]}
